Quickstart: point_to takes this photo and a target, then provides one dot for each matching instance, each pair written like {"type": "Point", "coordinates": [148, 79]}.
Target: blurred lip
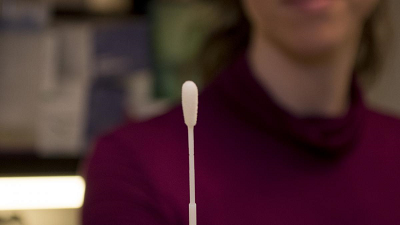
{"type": "Point", "coordinates": [309, 5]}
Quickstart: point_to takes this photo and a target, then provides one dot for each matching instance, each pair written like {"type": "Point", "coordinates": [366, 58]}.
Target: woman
{"type": "Point", "coordinates": [283, 135]}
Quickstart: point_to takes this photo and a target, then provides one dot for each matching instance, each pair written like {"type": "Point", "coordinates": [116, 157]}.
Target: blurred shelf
{"type": "Point", "coordinates": [33, 165]}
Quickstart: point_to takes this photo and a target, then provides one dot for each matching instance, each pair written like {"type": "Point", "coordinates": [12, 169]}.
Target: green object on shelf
{"type": "Point", "coordinates": [179, 30]}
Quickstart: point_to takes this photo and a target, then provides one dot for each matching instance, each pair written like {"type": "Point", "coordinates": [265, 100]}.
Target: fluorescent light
{"type": "Point", "coordinates": [18, 193]}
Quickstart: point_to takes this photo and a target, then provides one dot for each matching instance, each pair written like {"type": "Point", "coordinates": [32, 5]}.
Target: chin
{"type": "Point", "coordinates": [314, 47]}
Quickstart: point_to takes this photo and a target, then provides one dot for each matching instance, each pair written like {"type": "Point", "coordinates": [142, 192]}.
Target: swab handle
{"type": "Point", "coordinates": [192, 214]}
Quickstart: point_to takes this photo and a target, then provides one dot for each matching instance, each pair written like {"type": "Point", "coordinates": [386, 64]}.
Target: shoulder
{"type": "Point", "coordinates": [161, 129]}
{"type": "Point", "coordinates": [383, 119]}
{"type": "Point", "coordinates": [383, 127]}
{"type": "Point", "coordinates": [135, 148]}
{"type": "Point", "coordinates": [124, 169]}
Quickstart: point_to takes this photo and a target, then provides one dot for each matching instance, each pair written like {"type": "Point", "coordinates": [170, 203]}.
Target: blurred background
{"type": "Point", "coordinates": [73, 69]}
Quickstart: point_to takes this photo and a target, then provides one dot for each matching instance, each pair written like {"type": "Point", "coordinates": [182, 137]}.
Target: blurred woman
{"type": "Point", "coordinates": [283, 134]}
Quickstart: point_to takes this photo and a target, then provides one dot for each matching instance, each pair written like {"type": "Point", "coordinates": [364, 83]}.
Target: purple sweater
{"type": "Point", "coordinates": [255, 164]}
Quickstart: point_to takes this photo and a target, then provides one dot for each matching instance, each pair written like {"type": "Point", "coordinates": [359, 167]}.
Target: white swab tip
{"type": "Point", "coordinates": [190, 102]}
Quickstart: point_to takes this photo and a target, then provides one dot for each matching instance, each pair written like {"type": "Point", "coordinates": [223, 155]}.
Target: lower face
{"type": "Point", "coordinates": [309, 27]}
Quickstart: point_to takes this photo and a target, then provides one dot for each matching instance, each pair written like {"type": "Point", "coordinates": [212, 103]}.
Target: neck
{"type": "Point", "coordinates": [304, 88]}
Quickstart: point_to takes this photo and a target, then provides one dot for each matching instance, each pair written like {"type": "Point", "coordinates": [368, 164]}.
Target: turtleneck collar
{"type": "Point", "coordinates": [253, 104]}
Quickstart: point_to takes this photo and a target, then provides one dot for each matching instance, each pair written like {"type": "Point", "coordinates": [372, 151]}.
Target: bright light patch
{"type": "Point", "coordinates": [41, 192]}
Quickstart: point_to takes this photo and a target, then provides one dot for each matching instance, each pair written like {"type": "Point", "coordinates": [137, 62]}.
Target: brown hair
{"type": "Point", "coordinates": [231, 38]}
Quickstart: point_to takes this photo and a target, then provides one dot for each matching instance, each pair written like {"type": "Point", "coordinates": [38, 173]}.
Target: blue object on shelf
{"type": "Point", "coordinates": [119, 51]}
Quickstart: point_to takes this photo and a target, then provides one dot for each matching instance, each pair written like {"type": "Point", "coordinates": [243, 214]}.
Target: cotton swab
{"type": "Point", "coordinates": [190, 104]}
